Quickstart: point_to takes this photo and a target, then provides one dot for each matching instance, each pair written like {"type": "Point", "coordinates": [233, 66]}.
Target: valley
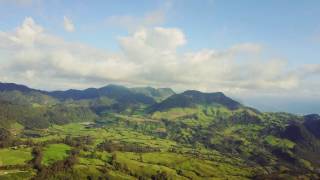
{"type": "Point", "coordinates": [116, 132]}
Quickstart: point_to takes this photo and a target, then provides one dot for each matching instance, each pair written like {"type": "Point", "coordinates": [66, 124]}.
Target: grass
{"type": "Point", "coordinates": [187, 161]}
{"type": "Point", "coordinates": [16, 128]}
{"type": "Point", "coordinates": [115, 175]}
{"type": "Point", "coordinates": [203, 142]}
{"type": "Point", "coordinates": [84, 171]}
{"type": "Point", "coordinates": [55, 152]}
{"type": "Point", "coordinates": [115, 133]}
{"type": "Point", "coordinates": [144, 169]}
{"type": "Point", "coordinates": [281, 143]}
{"type": "Point", "coordinates": [202, 168]}
{"type": "Point", "coordinates": [91, 161]}
{"type": "Point", "coordinates": [148, 164]}
{"type": "Point", "coordinates": [174, 113]}
{"type": "Point", "coordinates": [48, 138]}
{"type": "Point", "coordinates": [16, 174]}
{"type": "Point", "coordinates": [69, 129]}
{"type": "Point", "coordinates": [14, 157]}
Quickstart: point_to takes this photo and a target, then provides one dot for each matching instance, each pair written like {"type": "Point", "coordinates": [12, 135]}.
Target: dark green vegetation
{"type": "Point", "coordinates": [116, 132]}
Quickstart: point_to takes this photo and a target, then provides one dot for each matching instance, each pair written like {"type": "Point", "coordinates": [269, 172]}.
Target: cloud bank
{"type": "Point", "coordinates": [68, 24]}
{"type": "Point", "coordinates": [149, 56]}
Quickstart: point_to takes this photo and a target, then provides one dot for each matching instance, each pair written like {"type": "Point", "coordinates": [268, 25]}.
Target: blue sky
{"type": "Point", "coordinates": [249, 49]}
{"type": "Point", "coordinates": [289, 28]}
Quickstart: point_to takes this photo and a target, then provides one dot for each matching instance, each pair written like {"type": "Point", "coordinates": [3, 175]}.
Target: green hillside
{"type": "Point", "coordinates": [122, 134]}
{"type": "Point", "coordinates": [158, 94]}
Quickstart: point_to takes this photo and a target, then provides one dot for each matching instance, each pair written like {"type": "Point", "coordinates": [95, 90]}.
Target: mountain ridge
{"type": "Point", "coordinates": [204, 123]}
{"type": "Point", "coordinates": [191, 98]}
{"type": "Point", "coordinates": [145, 95]}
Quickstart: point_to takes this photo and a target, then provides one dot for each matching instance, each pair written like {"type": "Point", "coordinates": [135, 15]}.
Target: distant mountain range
{"type": "Point", "coordinates": [97, 101]}
{"type": "Point", "coordinates": [146, 95]}
{"type": "Point", "coordinates": [158, 99]}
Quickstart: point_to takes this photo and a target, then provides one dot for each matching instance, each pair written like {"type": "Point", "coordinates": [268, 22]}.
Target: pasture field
{"type": "Point", "coordinates": [10, 156]}
{"type": "Point", "coordinates": [54, 152]}
{"type": "Point", "coordinates": [130, 148]}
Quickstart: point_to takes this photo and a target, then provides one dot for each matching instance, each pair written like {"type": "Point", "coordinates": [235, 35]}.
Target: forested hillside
{"type": "Point", "coordinates": [116, 132]}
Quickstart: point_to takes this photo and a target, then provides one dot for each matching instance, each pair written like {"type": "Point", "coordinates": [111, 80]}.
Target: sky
{"type": "Point", "coordinates": [262, 53]}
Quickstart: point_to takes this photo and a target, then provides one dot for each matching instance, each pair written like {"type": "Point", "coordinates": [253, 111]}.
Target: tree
{"type": "Point", "coordinates": [5, 138]}
{"type": "Point", "coordinates": [37, 158]}
{"type": "Point", "coordinates": [160, 176]}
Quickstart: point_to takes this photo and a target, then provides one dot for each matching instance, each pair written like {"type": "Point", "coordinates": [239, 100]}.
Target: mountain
{"type": "Point", "coordinates": [15, 87]}
{"type": "Point", "coordinates": [192, 98]}
{"type": "Point", "coordinates": [34, 108]}
{"type": "Point", "coordinates": [305, 135]}
{"type": "Point", "coordinates": [312, 123]}
{"type": "Point", "coordinates": [304, 131]}
{"type": "Point", "coordinates": [115, 132]}
{"type": "Point", "coordinates": [20, 94]}
{"type": "Point", "coordinates": [121, 93]}
{"type": "Point", "coordinates": [158, 94]}
{"type": "Point", "coordinates": [118, 93]}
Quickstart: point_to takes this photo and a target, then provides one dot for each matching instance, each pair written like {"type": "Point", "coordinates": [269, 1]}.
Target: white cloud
{"type": "Point", "coordinates": [149, 56]}
{"type": "Point", "coordinates": [147, 44]}
{"type": "Point", "coordinates": [309, 69]}
{"type": "Point", "coordinates": [68, 24]}
{"type": "Point", "coordinates": [27, 33]}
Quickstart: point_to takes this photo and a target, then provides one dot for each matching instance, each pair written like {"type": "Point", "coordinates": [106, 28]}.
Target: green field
{"type": "Point", "coordinates": [54, 152]}
{"type": "Point", "coordinates": [16, 174]}
{"type": "Point", "coordinates": [138, 148]}
{"type": "Point", "coordinates": [11, 156]}
{"type": "Point", "coordinates": [181, 165]}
